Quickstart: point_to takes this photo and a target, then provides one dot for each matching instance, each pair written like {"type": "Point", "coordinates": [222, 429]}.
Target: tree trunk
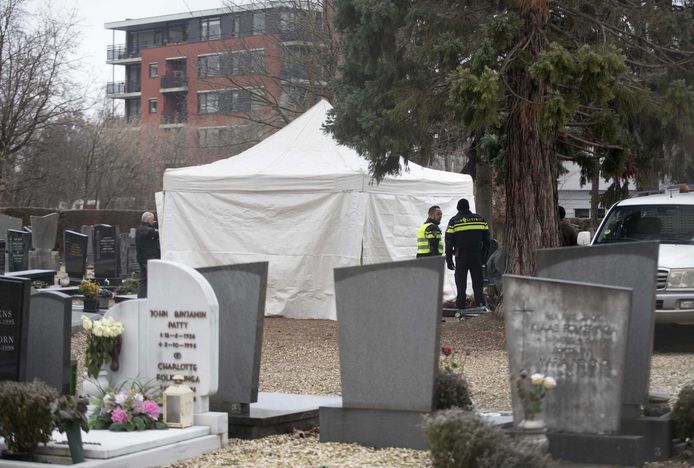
{"type": "Point", "coordinates": [483, 192]}
{"type": "Point", "coordinates": [594, 196]}
{"type": "Point", "coordinates": [531, 183]}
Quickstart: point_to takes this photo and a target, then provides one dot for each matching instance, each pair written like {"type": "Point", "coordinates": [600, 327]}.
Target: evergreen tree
{"type": "Point", "coordinates": [606, 84]}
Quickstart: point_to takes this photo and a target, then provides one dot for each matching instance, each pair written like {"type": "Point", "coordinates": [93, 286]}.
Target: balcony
{"type": "Point", "coordinates": [173, 119]}
{"type": "Point", "coordinates": [173, 82]}
{"type": "Point", "coordinates": [122, 89]}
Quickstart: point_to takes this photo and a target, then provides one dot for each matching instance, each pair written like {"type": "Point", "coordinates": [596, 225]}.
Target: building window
{"type": "Point", "coordinates": [208, 103]}
{"type": "Point", "coordinates": [210, 29]}
{"type": "Point", "coordinates": [212, 137]}
{"type": "Point", "coordinates": [152, 106]}
{"type": "Point", "coordinates": [258, 24]}
{"type": "Point", "coordinates": [153, 70]}
{"type": "Point", "coordinates": [236, 26]}
{"type": "Point", "coordinates": [209, 66]}
{"type": "Point", "coordinates": [247, 62]}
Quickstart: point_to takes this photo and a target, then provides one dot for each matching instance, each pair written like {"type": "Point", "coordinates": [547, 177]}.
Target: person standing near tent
{"type": "Point", "coordinates": [147, 246]}
{"type": "Point", "coordinates": [467, 239]}
{"type": "Point", "coordinates": [429, 235]}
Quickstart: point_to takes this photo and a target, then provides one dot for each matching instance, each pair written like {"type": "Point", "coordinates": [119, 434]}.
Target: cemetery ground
{"type": "Point", "coordinates": [301, 356]}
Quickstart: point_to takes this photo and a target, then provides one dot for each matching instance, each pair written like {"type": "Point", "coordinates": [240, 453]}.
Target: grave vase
{"type": "Point", "coordinates": [533, 434]}
{"type": "Point", "coordinates": [91, 305]}
{"type": "Point", "coordinates": [74, 441]}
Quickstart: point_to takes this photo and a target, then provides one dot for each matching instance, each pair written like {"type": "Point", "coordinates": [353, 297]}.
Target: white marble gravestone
{"type": "Point", "coordinates": [174, 331]}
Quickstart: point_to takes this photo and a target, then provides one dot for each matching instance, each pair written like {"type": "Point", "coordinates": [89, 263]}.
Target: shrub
{"type": "Point", "coordinates": [89, 289]}
{"type": "Point", "coordinates": [458, 438]}
{"type": "Point", "coordinates": [461, 439]}
{"type": "Point", "coordinates": [128, 286]}
{"type": "Point", "coordinates": [25, 414]}
{"type": "Point", "coordinates": [683, 413]}
{"type": "Point", "coordinates": [452, 390]}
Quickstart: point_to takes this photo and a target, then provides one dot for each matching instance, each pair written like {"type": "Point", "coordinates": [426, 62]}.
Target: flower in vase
{"type": "Point", "coordinates": [119, 415]}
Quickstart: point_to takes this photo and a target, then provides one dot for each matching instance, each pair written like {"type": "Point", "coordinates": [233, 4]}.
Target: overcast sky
{"type": "Point", "coordinates": [92, 14]}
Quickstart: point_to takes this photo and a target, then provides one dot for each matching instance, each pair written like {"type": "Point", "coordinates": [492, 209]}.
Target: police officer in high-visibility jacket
{"type": "Point", "coordinates": [429, 242]}
{"type": "Point", "coordinates": [467, 239]}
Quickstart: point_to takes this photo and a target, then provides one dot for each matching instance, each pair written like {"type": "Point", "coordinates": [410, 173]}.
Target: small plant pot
{"type": "Point", "coordinates": [91, 305]}
{"type": "Point", "coordinates": [533, 434]}
{"type": "Point", "coordinates": [104, 302]}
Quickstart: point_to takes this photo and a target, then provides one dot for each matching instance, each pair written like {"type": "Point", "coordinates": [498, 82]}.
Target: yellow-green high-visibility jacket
{"type": "Point", "coordinates": [429, 240]}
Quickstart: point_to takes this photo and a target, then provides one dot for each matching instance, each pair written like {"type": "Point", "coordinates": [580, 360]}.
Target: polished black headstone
{"type": "Point", "coordinates": [88, 231]}
{"type": "Point", "coordinates": [48, 338]}
{"type": "Point", "coordinates": [106, 251]}
{"type": "Point", "coordinates": [18, 245]}
{"type": "Point", "coordinates": [2, 256]}
{"type": "Point", "coordinates": [14, 313]}
{"type": "Point", "coordinates": [75, 248]}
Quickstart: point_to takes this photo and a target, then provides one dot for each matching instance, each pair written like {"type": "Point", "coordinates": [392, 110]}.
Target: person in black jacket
{"type": "Point", "coordinates": [147, 246]}
{"type": "Point", "coordinates": [467, 239]}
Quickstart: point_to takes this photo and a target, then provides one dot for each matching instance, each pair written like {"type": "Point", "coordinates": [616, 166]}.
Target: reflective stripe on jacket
{"type": "Point", "coordinates": [429, 240]}
{"type": "Point", "coordinates": [467, 233]}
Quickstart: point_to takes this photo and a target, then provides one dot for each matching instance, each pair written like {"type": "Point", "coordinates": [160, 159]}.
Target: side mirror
{"type": "Point", "coordinates": [583, 238]}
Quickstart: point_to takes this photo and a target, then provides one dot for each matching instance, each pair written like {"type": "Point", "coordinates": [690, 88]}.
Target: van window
{"type": "Point", "coordinates": [670, 224]}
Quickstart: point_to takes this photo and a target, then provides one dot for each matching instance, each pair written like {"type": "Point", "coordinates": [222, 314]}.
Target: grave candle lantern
{"type": "Point", "coordinates": [178, 404]}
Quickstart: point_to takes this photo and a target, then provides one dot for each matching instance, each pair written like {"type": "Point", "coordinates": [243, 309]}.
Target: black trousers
{"type": "Point", "coordinates": [142, 287]}
{"type": "Point", "coordinates": [473, 263]}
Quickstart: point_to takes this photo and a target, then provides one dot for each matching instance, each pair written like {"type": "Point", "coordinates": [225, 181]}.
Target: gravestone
{"type": "Point", "coordinates": [240, 290]}
{"type": "Point", "coordinates": [3, 256]}
{"type": "Point", "coordinates": [88, 231]}
{"type": "Point", "coordinates": [48, 338]}
{"type": "Point", "coordinates": [124, 246]}
{"type": "Point", "coordinates": [576, 333]}
{"type": "Point", "coordinates": [133, 266]}
{"type": "Point", "coordinates": [75, 250]}
{"type": "Point", "coordinates": [174, 331]}
{"type": "Point", "coordinates": [9, 222]}
{"type": "Point", "coordinates": [106, 252]}
{"type": "Point", "coordinates": [14, 312]}
{"type": "Point", "coordinates": [631, 265]}
{"type": "Point", "coordinates": [18, 244]}
{"type": "Point", "coordinates": [44, 230]}
{"type": "Point", "coordinates": [388, 320]}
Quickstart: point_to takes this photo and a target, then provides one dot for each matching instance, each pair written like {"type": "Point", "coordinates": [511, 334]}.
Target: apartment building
{"type": "Point", "coordinates": [219, 80]}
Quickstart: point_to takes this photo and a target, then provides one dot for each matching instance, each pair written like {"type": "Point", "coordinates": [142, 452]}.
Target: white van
{"type": "Point", "coordinates": [669, 218]}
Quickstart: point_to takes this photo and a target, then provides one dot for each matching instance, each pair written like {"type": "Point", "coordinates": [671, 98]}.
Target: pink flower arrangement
{"type": "Point", "coordinates": [134, 409]}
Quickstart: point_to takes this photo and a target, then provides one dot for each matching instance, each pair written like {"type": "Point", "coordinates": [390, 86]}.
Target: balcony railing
{"type": "Point", "coordinates": [169, 118]}
{"type": "Point", "coordinates": [173, 81]}
{"type": "Point", "coordinates": [122, 87]}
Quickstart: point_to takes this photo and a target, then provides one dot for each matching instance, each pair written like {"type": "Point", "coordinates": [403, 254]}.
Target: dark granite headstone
{"type": "Point", "coordinates": [14, 315]}
{"type": "Point", "coordinates": [124, 246]}
{"type": "Point", "coordinates": [48, 338]}
{"type": "Point", "coordinates": [75, 248]}
{"type": "Point", "coordinates": [388, 320]}
{"type": "Point", "coordinates": [106, 252]}
{"type": "Point", "coordinates": [240, 290]}
{"type": "Point", "coordinates": [9, 222]}
{"type": "Point", "coordinates": [88, 231]}
{"type": "Point", "coordinates": [18, 245]}
{"type": "Point", "coordinates": [2, 256]}
{"type": "Point", "coordinates": [576, 333]}
{"type": "Point", "coordinates": [631, 265]}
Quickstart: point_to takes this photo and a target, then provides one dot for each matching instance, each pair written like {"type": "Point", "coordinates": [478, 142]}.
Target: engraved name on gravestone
{"type": "Point", "coordinates": [632, 265]}
{"type": "Point", "coordinates": [576, 333]}
{"type": "Point", "coordinates": [18, 244]}
{"type": "Point", "coordinates": [174, 331]}
{"type": "Point", "coordinates": [14, 311]}
{"type": "Point", "coordinates": [9, 222]}
{"type": "Point", "coordinates": [48, 337]}
{"type": "Point", "coordinates": [75, 249]}
{"type": "Point", "coordinates": [240, 290]}
{"type": "Point", "coordinates": [106, 251]}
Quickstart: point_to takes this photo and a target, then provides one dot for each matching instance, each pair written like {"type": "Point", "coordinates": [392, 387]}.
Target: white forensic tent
{"type": "Point", "coordinates": [305, 204]}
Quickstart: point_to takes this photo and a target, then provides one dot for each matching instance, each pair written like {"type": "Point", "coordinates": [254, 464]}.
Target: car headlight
{"type": "Point", "coordinates": [682, 278]}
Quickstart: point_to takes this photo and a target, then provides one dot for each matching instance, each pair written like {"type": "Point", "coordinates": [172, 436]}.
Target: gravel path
{"type": "Point", "coordinates": [301, 356]}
